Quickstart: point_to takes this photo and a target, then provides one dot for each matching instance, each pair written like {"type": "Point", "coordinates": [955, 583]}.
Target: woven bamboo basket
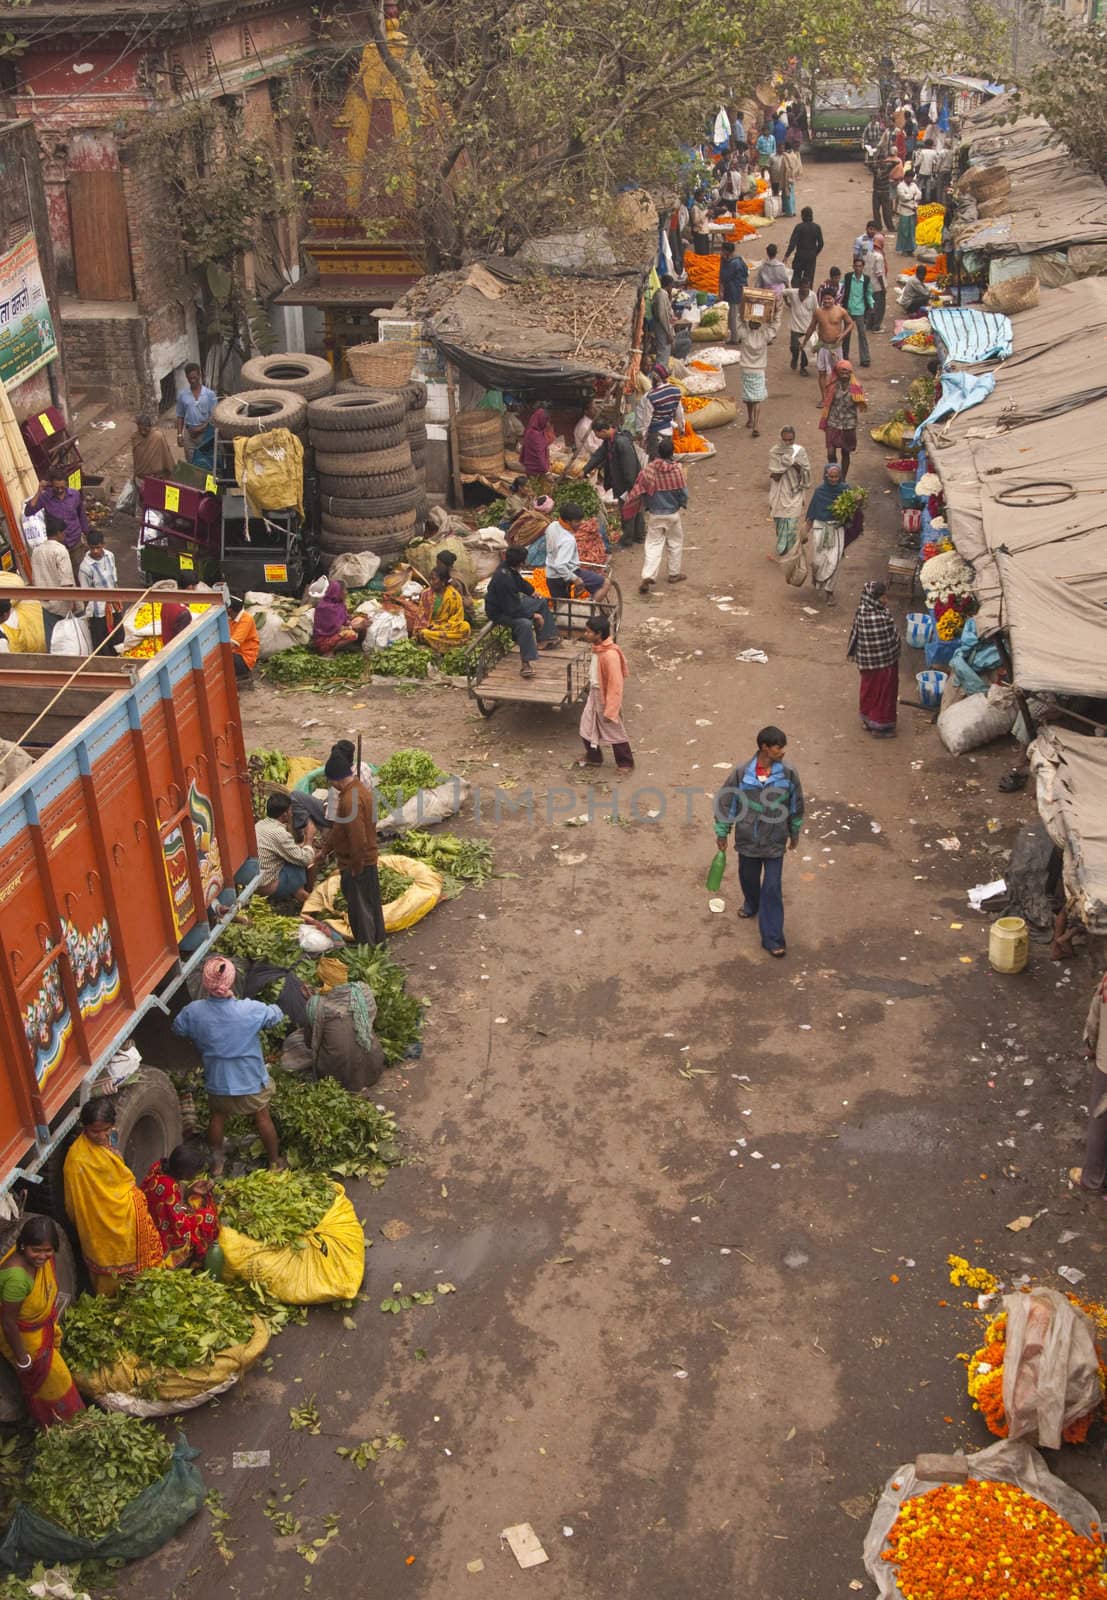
{"type": "Point", "coordinates": [382, 365]}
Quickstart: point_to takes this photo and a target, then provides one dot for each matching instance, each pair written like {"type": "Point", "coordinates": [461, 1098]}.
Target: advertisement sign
{"type": "Point", "coordinates": [27, 338]}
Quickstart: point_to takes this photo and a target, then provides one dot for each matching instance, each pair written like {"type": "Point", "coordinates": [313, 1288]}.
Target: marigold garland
{"type": "Point", "coordinates": [971, 1277]}
{"type": "Point", "coordinates": [985, 1381]}
{"type": "Point", "coordinates": [991, 1541]}
{"type": "Point", "coordinates": [690, 443]}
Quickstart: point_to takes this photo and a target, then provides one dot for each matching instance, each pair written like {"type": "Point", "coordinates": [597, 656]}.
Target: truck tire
{"type": "Point", "coordinates": [369, 489]}
{"type": "Point", "coordinates": [345, 531]}
{"type": "Point", "coordinates": [308, 376]}
{"type": "Point", "coordinates": [360, 441]}
{"type": "Point", "coordinates": [345, 413]}
{"type": "Point", "coordinates": [258, 411]}
{"type": "Point", "coordinates": [414, 395]}
{"type": "Point", "coordinates": [363, 463]}
{"type": "Point", "coordinates": [147, 1120]}
{"type": "Point", "coordinates": [387, 546]}
{"type": "Point", "coordinates": [376, 505]}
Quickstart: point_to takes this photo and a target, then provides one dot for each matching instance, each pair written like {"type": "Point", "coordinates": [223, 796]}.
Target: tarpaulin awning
{"type": "Point", "coordinates": [1055, 203]}
{"type": "Point", "coordinates": [1044, 423]}
{"type": "Point", "coordinates": [1056, 627]}
{"type": "Point", "coordinates": [1071, 773]}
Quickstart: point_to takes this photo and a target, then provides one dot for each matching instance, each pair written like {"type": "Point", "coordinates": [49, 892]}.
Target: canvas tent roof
{"type": "Point", "coordinates": [1055, 203]}
{"type": "Point", "coordinates": [1043, 424]}
{"type": "Point", "coordinates": [1071, 771]}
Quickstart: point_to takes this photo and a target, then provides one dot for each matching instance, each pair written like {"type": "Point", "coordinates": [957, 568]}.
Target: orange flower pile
{"type": "Point", "coordinates": [690, 443]}
{"type": "Point", "coordinates": [991, 1541]}
{"type": "Point", "coordinates": [937, 269]}
{"type": "Point", "coordinates": [738, 230]}
{"type": "Point", "coordinates": [704, 366]}
{"type": "Point", "coordinates": [702, 272]}
{"type": "Point", "coordinates": [695, 402]}
{"type": "Point", "coordinates": [986, 1383]}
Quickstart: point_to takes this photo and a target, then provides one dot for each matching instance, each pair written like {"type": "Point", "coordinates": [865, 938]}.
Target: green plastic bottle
{"type": "Point", "coordinates": [715, 871]}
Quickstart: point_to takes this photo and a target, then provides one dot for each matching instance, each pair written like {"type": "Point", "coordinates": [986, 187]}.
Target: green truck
{"type": "Point", "coordinates": [840, 111]}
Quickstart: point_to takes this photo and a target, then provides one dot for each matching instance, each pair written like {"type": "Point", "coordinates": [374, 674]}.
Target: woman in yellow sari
{"type": "Point", "coordinates": [29, 1333]}
{"type": "Point", "coordinates": [437, 618]}
{"type": "Point", "coordinates": [117, 1233]}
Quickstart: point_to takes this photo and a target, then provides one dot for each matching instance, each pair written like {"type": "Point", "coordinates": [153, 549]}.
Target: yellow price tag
{"type": "Point", "coordinates": [276, 574]}
{"type": "Point", "coordinates": [6, 561]}
{"type": "Point", "coordinates": [172, 497]}
{"type": "Point", "coordinates": [75, 479]}
{"type": "Point", "coordinates": [210, 484]}
{"type": "Point", "coordinates": [46, 425]}
{"type": "Point", "coordinates": [187, 564]}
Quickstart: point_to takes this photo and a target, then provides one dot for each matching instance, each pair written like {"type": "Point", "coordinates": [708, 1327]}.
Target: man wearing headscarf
{"type": "Point", "coordinates": [789, 481]}
{"type": "Point", "coordinates": [841, 406]}
{"type": "Point", "coordinates": [354, 834]}
{"type": "Point", "coordinates": [226, 1033]}
{"type": "Point", "coordinates": [874, 648]}
{"type": "Point", "coordinates": [825, 535]}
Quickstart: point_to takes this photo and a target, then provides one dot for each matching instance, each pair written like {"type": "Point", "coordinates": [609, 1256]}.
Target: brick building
{"type": "Point", "coordinates": [91, 74]}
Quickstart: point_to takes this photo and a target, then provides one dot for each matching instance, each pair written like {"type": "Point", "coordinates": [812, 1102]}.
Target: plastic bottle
{"type": "Point", "coordinates": [715, 871]}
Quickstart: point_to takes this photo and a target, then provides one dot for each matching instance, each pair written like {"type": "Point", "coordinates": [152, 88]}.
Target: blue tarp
{"type": "Point", "coordinates": [960, 391]}
{"type": "Point", "coordinates": [970, 336]}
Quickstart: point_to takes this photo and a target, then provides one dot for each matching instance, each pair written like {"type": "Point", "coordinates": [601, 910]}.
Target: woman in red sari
{"type": "Point", "coordinates": [29, 1333]}
{"type": "Point", "coordinates": [181, 1206]}
{"type": "Point", "coordinates": [874, 646]}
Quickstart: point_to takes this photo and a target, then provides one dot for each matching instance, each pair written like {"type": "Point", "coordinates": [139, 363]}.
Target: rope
{"type": "Point", "coordinates": [1036, 492]}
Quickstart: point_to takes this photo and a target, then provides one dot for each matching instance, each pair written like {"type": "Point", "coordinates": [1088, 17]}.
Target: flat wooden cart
{"type": "Point", "coordinates": [561, 677]}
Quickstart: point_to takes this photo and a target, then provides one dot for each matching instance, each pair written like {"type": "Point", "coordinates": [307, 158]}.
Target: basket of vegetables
{"type": "Point", "coordinates": [103, 1487]}
{"type": "Point", "coordinates": [294, 1233]}
{"type": "Point", "coordinates": [168, 1341]}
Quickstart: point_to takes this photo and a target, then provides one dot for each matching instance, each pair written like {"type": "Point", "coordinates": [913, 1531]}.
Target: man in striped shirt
{"type": "Point", "coordinates": [666, 410]}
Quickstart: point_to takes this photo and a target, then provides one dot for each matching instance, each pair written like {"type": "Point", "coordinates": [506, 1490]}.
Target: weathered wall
{"type": "Point", "coordinates": [23, 209]}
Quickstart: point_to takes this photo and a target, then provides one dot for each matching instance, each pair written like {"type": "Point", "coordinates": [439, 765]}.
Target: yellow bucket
{"type": "Point", "coordinates": [1008, 944]}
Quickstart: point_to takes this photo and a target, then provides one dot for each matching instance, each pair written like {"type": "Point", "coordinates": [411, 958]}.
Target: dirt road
{"type": "Point", "coordinates": [696, 1203]}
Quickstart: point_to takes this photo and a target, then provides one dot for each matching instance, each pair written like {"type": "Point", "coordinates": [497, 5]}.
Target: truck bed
{"type": "Point", "coordinates": [133, 821]}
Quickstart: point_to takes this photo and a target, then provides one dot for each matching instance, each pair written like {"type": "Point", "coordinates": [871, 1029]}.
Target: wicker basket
{"type": "Point", "coordinates": [898, 472]}
{"type": "Point", "coordinates": [1013, 295]}
{"type": "Point", "coordinates": [381, 366]}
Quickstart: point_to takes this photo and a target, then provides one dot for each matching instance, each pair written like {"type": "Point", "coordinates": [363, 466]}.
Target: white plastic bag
{"type": "Point", "coordinates": [274, 634]}
{"type": "Point", "coordinates": [355, 569]}
{"type": "Point", "coordinates": [716, 355]}
{"type": "Point", "coordinates": [386, 628]}
{"type": "Point", "coordinates": [316, 590]}
{"type": "Point", "coordinates": [34, 528]}
{"type": "Point", "coordinates": [1050, 1369]}
{"type": "Point", "coordinates": [1008, 1461]}
{"type": "Point", "coordinates": [978, 720]}
{"type": "Point", "coordinates": [423, 809]}
{"type": "Point", "coordinates": [704, 382]}
{"type": "Point", "coordinates": [71, 637]}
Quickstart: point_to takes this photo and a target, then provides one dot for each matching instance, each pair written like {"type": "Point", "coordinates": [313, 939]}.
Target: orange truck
{"type": "Point", "coordinates": [122, 849]}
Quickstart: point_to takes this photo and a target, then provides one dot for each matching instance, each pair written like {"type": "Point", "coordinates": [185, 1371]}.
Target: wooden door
{"type": "Point", "coordinates": [98, 226]}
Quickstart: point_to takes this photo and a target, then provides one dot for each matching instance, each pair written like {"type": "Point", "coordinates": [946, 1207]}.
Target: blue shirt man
{"type": "Point", "coordinates": [226, 1033]}
{"type": "Point", "coordinates": [195, 405]}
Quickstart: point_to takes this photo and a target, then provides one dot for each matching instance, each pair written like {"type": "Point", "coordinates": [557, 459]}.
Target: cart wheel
{"type": "Point", "coordinates": [616, 603]}
{"type": "Point", "coordinates": [486, 707]}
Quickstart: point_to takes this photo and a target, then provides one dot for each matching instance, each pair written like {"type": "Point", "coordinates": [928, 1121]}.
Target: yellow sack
{"type": "Point", "coordinates": [891, 434]}
{"type": "Point", "coordinates": [25, 630]}
{"type": "Point", "coordinates": [423, 895]}
{"type": "Point", "coordinates": [328, 1265]}
{"type": "Point", "coordinates": [270, 468]}
{"type": "Point", "coordinates": [719, 410]}
{"type": "Point", "coordinates": [166, 1389]}
{"type": "Point", "coordinates": [299, 767]}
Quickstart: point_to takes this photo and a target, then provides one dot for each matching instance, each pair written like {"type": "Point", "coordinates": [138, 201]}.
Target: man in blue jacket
{"type": "Point", "coordinates": [734, 274]}
{"type": "Point", "coordinates": [762, 800]}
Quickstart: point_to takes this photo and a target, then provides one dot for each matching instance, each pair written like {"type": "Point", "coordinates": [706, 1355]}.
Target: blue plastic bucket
{"type": "Point", "coordinates": [931, 684]}
{"type": "Point", "coordinates": [920, 629]}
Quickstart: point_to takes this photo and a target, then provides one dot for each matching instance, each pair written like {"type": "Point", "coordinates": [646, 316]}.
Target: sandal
{"type": "Point", "coordinates": [745, 913]}
{"type": "Point", "coordinates": [645, 586]}
{"type": "Point", "coordinates": [526, 670]}
{"type": "Point", "coordinates": [678, 577]}
{"type": "Point", "coordinates": [778, 955]}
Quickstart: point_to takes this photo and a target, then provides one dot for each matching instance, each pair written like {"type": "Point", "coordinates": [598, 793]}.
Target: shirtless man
{"type": "Point", "coordinates": [832, 322]}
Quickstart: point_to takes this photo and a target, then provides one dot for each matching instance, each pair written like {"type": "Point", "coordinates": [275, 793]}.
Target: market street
{"type": "Point", "coordinates": [696, 1204]}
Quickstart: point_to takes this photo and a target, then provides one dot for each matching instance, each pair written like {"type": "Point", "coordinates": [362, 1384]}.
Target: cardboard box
{"type": "Point", "coordinates": [758, 305]}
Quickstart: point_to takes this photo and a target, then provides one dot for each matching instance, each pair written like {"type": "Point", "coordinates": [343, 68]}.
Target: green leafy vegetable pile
{"type": "Point", "coordinates": [274, 765]}
{"type": "Point", "coordinates": [404, 659]}
{"type": "Point", "coordinates": [404, 774]}
{"type": "Point", "coordinates": [302, 668]}
{"type": "Point", "coordinates": [86, 1471]}
{"type": "Point", "coordinates": [468, 860]}
{"type": "Point", "coordinates": [275, 1208]}
{"type": "Point", "coordinates": [581, 493]}
{"type": "Point", "coordinates": [325, 1128]}
{"type": "Point", "coordinates": [393, 884]}
{"type": "Point", "coordinates": [169, 1319]}
{"type": "Point", "coordinates": [269, 937]}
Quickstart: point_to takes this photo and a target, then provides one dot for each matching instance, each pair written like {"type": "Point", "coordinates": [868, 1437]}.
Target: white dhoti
{"type": "Point", "coordinates": [827, 545]}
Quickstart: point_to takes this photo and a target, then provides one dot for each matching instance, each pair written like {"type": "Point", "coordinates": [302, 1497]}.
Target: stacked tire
{"type": "Point", "coordinates": [369, 492]}
{"type": "Point", "coordinates": [414, 396]}
{"type": "Point", "coordinates": [308, 376]}
{"type": "Point", "coordinates": [259, 411]}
